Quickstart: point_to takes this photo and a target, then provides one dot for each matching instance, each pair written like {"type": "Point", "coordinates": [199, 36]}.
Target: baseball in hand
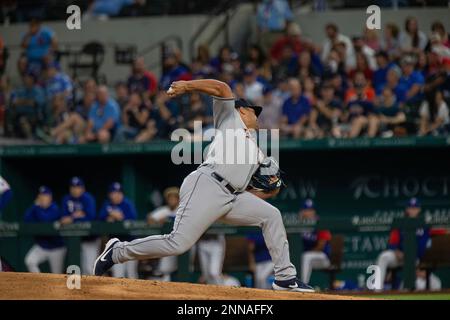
{"type": "Point", "coordinates": [170, 91]}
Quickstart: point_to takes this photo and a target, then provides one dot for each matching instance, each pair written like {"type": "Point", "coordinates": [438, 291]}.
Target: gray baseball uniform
{"type": "Point", "coordinates": [204, 200]}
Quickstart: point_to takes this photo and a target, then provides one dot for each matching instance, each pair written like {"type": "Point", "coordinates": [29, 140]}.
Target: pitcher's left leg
{"type": "Point", "coordinates": [249, 210]}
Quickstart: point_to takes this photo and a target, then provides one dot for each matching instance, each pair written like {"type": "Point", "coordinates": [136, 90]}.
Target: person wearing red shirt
{"type": "Point", "coordinates": [292, 39]}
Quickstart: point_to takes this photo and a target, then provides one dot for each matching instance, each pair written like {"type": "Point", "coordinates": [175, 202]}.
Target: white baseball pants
{"type": "Point", "coordinates": [203, 200]}
{"type": "Point", "coordinates": [38, 255]}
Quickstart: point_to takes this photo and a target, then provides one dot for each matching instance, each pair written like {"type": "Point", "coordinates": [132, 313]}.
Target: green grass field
{"type": "Point", "coordinates": [423, 296]}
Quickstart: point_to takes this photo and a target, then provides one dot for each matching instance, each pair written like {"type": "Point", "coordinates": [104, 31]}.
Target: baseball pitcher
{"type": "Point", "coordinates": [218, 190]}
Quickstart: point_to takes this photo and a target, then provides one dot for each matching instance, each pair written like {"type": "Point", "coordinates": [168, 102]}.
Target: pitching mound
{"type": "Point", "coordinates": [53, 286]}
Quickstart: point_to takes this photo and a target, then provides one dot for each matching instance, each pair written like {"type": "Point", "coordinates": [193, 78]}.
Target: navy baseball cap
{"type": "Point", "coordinates": [76, 182]}
{"type": "Point", "coordinates": [413, 203]}
{"type": "Point", "coordinates": [308, 204]}
{"type": "Point", "coordinates": [45, 190]}
{"type": "Point", "coordinates": [115, 187]}
{"type": "Point", "coordinates": [242, 103]}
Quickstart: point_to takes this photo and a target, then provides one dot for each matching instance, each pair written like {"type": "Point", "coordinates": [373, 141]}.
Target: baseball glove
{"type": "Point", "coordinates": [267, 177]}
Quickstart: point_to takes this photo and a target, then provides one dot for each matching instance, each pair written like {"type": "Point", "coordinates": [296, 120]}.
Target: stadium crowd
{"type": "Point", "coordinates": [392, 84]}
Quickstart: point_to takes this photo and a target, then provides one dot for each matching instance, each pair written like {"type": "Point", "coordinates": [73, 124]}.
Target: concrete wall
{"type": "Point", "coordinates": [352, 22]}
{"type": "Point", "coordinates": [146, 31]}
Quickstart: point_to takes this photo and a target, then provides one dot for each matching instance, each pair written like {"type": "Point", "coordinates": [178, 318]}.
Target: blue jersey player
{"type": "Point", "coordinates": [79, 206]}
{"type": "Point", "coordinates": [118, 208]}
{"type": "Point", "coordinates": [46, 248]}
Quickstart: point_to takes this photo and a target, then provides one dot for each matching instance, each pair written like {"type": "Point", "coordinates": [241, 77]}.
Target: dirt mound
{"type": "Point", "coordinates": [54, 286]}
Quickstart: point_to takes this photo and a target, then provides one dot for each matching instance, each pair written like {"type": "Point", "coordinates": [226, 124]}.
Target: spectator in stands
{"type": "Point", "coordinates": [272, 17]}
{"type": "Point", "coordinates": [393, 257]}
{"type": "Point", "coordinates": [79, 206]}
{"type": "Point", "coordinates": [39, 43]}
{"type": "Point", "coordinates": [198, 114]}
{"type": "Point", "coordinates": [393, 76]}
{"type": "Point", "coordinates": [46, 248]}
{"type": "Point", "coordinates": [122, 94]}
{"type": "Point", "coordinates": [380, 75]}
{"type": "Point", "coordinates": [173, 71]}
{"type": "Point", "coordinates": [104, 117]}
{"type": "Point", "coordinates": [167, 265]}
{"type": "Point", "coordinates": [333, 38]}
{"type": "Point", "coordinates": [335, 64]}
{"type": "Point", "coordinates": [57, 82]}
{"type": "Point", "coordinates": [316, 244]}
{"type": "Point", "coordinates": [296, 110]}
{"type": "Point", "coordinates": [413, 83]}
{"type": "Point", "coordinates": [368, 54]}
{"type": "Point", "coordinates": [286, 66]}
{"type": "Point", "coordinates": [255, 56]}
{"type": "Point", "coordinates": [434, 116]}
{"type": "Point", "coordinates": [260, 262]}
{"type": "Point", "coordinates": [361, 89]}
{"type": "Point", "coordinates": [109, 8]}
{"type": "Point", "coordinates": [387, 115]}
{"type": "Point", "coordinates": [306, 67]}
{"type": "Point", "coordinates": [292, 39]}
{"type": "Point", "coordinates": [412, 40]}
{"type": "Point", "coordinates": [361, 66]}
{"type": "Point", "coordinates": [252, 87]}
{"type": "Point", "coordinates": [3, 56]}
{"type": "Point", "coordinates": [4, 100]}
{"type": "Point", "coordinates": [390, 41]}
{"type": "Point", "coordinates": [326, 113]}
{"type": "Point", "coordinates": [359, 108]}
{"type": "Point", "coordinates": [438, 46]}
{"type": "Point", "coordinates": [73, 127]}
{"type": "Point", "coordinates": [135, 117]}
{"type": "Point", "coordinates": [223, 59]}
{"type": "Point", "coordinates": [371, 39]}
{"type": "Point", "coordinates": [166, 114]}
{"type": "Point", "coordinates": [59, 113]}
{"type": "Point", "coordinates": [270, 117]}
{"type": "Point", "coordinates": [115, 209]}
{"type": "Point", "coordinates": [438, 27]}
{"type": "Point", "coordinates": [26, 107]}
{"type": "Point", "coordinates": [141, 80]}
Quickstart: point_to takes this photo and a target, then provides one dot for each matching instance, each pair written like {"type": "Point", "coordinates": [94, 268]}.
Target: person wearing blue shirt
{"type": "Point", "coordinates": [272, 15]}
{"type": "Point", "coordinates": [79, 206]}
{"type": "Point", "coordinates": [296, 110]}
{"type": "Point", "coordinates": [380, 74]}
{"type": "Point", "coordinates": [173, 71]}
{"type": "Point", "coordinates": [57, 83]}
{"type": "Point", "coordinates": [260, 262]}
{"type": "Point", "coordinates": [46, 248]}
{"type": "Point", "coordinates": [5, 194]}
{"type": "Point", "coordinates": [38, 43]}
{"type": "Point", "coordinates": [412, 80]}
{"type": "Point", "coordinates": [115, 209]}
{"type": "Point", "coordinates": [104, 118]}
{"type": "Point", "coordinates": [27, 104]}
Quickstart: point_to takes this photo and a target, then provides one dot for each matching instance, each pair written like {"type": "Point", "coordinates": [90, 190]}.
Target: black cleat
{"type": "Point", "coordinates": [291, 285]}
{"type": "Point", "coordinates": [104, 261]}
